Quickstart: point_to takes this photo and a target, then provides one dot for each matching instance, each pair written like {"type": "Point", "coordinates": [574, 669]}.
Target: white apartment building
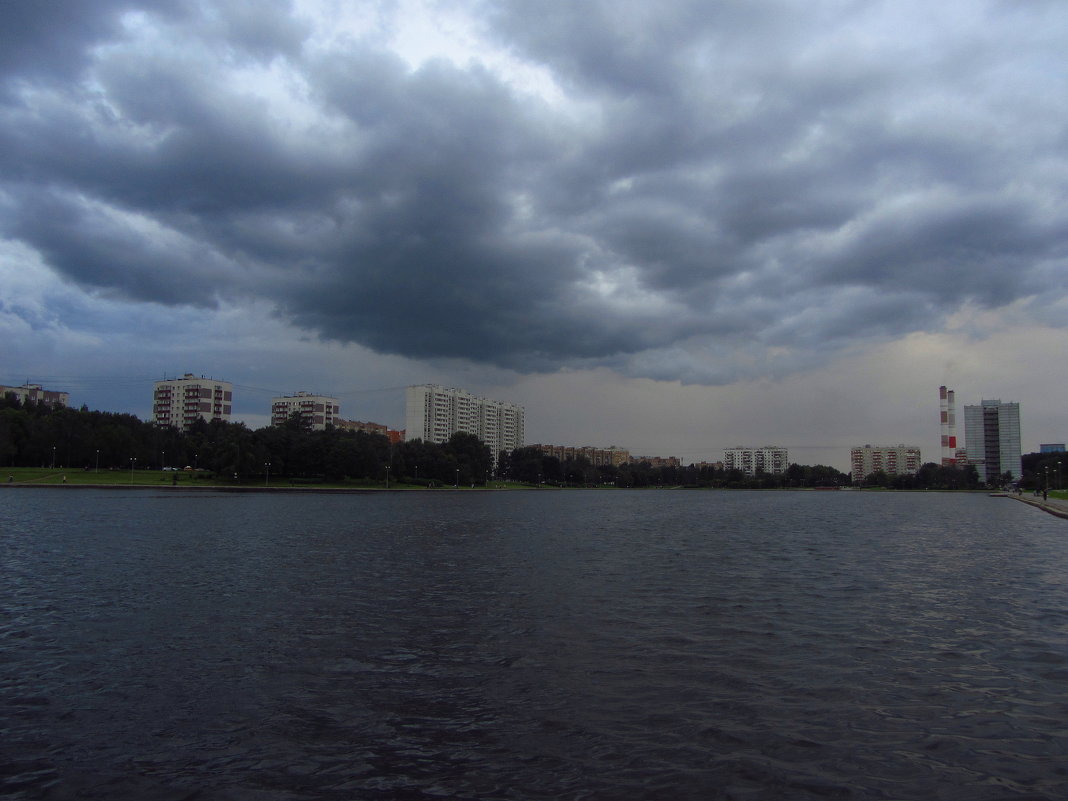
{"type": "Point", "coordinates": [316, 411]}
{"type": "Point", "coordinates": [179, 402]}
{"type": "Point", "coordinates": [434, 413]}
{"type": "Point", "coordinates": [33, 393]}
{"type": "Point", "coordinates": [894, 460]}
{"type": "Point", "coordinates": [767, 459]}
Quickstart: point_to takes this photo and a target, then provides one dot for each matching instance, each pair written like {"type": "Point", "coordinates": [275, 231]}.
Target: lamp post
{"type": "Point", "coordinates": [133, 461]}
{"type": "Point", "coordinates": [267, 480]}
{"type": "Point", "coordinates": [457, 485]}
{"type": "Point", "coordinates": [97, 460]}
{"type": "Point", "coordinates": [163, 459]}
{"type": "Point", "coordinates": [1059, 485]}
{"type": "Point", "coordinates": [387, 476]}
{"type": "Point", "coordinates": [195, 456]}
{"type": "Point", "coordinates": [53, 457]}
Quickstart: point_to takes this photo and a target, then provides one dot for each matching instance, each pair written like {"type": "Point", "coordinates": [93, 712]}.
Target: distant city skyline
{"type": "Point", "coordinates": [835, 455]}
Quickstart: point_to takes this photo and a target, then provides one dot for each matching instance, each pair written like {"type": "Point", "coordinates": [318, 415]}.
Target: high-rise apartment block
{"type": "Point", "coordinates": [34, 393]}
{"type": "Point", "coordinates": [948, 414]}
{"type": "Point", "coordinates": [434, 413]}
{"type": "Point", "coordinates": [180, 402]}
{"type": "Point", "coordinates": [315, 412]}
{"type": "Point", "coordinates": [894, 460]}
{"type": "Point", "coordinates": [767, 459]}
{"type": "Point", "coordinates": [992, 437]}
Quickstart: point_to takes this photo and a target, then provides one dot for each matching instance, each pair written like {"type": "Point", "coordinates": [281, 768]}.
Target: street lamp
{"type": "Point", "coordinates": [267, 480]}
{"type": "Point", "coordinates": [97, 460]}
{"type": "Point", "coordinates": [163, 459]}
{"type": "Point", "coordinates": [457, 478]}
{"type": "Point", "coordinates": [53, 457]}
{"type": "Point", "coordinates": [133, 461]}
{"type": "Point", "coordinates": [1059, 485]}
{"type": "Point", "coordinates": [387, 476]}
{"type": "Point", "coordinates": [195, 456]}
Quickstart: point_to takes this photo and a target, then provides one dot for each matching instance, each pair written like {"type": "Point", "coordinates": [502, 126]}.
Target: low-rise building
{"type": "Point", "coordinates": [657, 461]}
{"type": "Point", "coordinates": [34, 393]}
{"type": "Point", "coordinates": [598, 457]}
{"type": "Point", "coordinates": [766, 459]}
{"type": "Point", "coordinates": [180, 402]}
{"type": "Point", "coordinates": [359, 425]}
{"type": "Point", "coordinates": [315, 412]}
{"type": "Point", "coordinates": [708, 465]}
{"type": "Point", "coordinates": [894, 460]}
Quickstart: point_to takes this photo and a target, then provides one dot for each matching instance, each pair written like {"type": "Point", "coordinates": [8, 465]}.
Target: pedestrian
{"type": "Point", "coordinates": [1045, 494]}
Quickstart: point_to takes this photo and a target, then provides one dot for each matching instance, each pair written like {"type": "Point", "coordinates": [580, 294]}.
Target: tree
{"type": "Point", "coordinates": [471, 456]}
{"type": "Point", "coordinates": [877, 479]}
{"type": "Point", "coordinates": [526, 465]}
{"type": "Point", "coordinates": [237, 454]}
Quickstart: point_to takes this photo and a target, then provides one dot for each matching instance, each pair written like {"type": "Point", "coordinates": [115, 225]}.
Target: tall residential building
{"type": "Point", "coordinates": [316, 411]}
{"type": "Point", "coordinates": [992, 437]}
{"type": "Point", "coordinates": [894, 460]}
{"type": "Point", "coordinates": [767, 459]}
{"type": "Point", "coordinates": [948, 413]}
{"type": "Point", "coordinates": [180, 402]}
{"type": "Point", "coordinates": [33, 393]}
{"type": "Point", "coordinates": [434, 413]}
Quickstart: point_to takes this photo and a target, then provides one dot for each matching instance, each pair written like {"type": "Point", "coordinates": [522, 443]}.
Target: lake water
{"type": "Point", "coordinates": [531, 645]}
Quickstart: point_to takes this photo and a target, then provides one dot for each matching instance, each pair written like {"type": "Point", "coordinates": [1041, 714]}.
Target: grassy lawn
{"type": "Point", "coordinates": [159, 478]}
{"type": "Point", "coordinates": [44, 475]}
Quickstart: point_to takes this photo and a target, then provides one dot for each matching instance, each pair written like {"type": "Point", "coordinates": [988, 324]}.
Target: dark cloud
{"type": "Point", "coordinates": [39, 40]}
{"type": "Point", "coordinates": [711, 190]}
{"type": "Point", "coordinates": [124, 254]}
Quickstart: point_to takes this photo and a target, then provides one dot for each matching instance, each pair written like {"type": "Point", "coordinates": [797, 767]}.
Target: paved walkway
{"type": "Point", "coordinates": [1055, 506]}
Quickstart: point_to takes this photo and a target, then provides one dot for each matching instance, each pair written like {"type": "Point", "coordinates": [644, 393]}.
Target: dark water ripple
{"type": "Point", "coordinates": [618, 645]}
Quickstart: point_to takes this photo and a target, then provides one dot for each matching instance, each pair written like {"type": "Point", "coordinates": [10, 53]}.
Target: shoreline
{"type": "Point", "coordinates": [1053, 506]}
{"type": "Point", "coordinates": [161, 487]}
{"type": "Point", "coordinates": [225, 488]}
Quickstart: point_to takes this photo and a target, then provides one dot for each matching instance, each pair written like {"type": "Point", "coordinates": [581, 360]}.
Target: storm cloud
{"type": "Point", "coordinates": [690, 191]}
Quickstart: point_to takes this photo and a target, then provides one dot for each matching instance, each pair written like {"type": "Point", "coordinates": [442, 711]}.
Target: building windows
{"type": "Point", "coordinates": [180, 402]}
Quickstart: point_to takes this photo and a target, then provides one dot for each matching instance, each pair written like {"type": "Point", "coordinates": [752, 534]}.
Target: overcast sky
{"type": "Point", "coordinates": [671, 226]}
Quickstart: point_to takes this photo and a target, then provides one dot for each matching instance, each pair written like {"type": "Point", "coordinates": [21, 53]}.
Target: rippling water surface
{"type": "Point", "coordinates": [539, 645]}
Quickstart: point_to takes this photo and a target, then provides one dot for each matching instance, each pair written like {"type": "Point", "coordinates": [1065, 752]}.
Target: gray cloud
{"type": "Point", "coordinates": [713, 193]}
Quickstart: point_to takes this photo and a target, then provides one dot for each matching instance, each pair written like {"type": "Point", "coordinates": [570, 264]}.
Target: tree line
{"type": "Point", "coordinates": [530, 465]}
{"type": "Point", "coordinates": [38, 435]}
